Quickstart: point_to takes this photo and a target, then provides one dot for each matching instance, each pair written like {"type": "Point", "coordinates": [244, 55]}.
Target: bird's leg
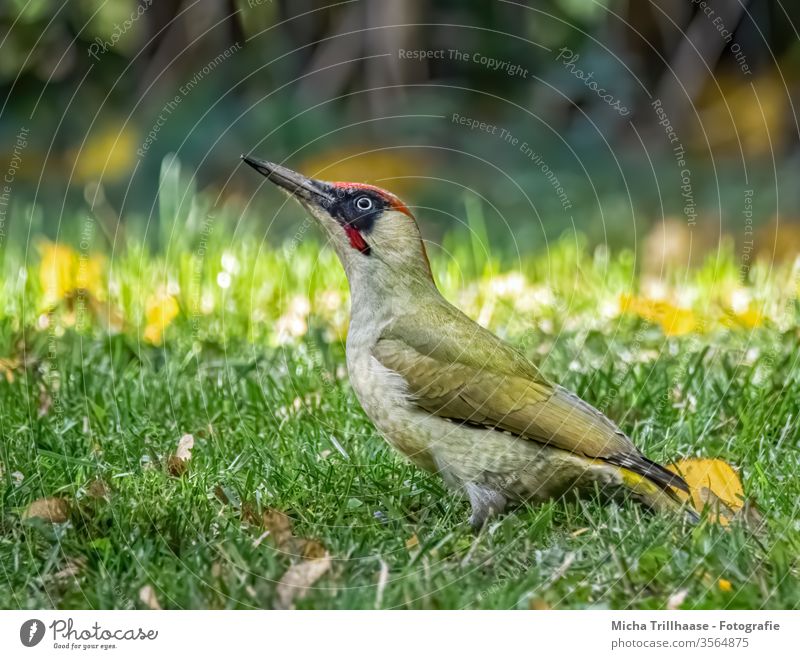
{"type": "Point", "coordinates": [486, 503]}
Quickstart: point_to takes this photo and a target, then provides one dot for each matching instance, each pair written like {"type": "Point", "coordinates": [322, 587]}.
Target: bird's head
{"type": "Point", "coordinates": [372, 230]}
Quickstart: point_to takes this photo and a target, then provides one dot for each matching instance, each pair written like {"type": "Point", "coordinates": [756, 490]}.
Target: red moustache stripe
{"type": "Point", "coordinates": [356, 239]}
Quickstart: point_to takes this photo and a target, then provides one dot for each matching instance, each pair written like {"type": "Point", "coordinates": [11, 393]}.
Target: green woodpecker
{"type": "Point", "coordinates": [447, 393]}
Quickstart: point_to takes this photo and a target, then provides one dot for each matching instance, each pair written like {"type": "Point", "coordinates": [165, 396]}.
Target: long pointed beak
{"type": "Point", "coordinates": [302, 187]}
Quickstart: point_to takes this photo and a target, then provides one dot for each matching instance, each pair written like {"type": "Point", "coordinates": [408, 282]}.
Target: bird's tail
{"type": "Point", "coordinates": [656, 497]}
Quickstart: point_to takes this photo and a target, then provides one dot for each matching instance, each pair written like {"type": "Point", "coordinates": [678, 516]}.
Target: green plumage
{"type": "Point", "coordinates": [458, 370]}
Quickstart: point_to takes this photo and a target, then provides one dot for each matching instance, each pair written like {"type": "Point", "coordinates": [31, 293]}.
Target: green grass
{"type": "Point", "coordinates": [120, 409]}
{"type": "Point", "coordinates": [92, 415]}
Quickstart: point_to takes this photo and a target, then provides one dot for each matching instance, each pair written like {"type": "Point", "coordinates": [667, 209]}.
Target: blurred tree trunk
{"type": "Point", "coordinates": [359, 51]}
{"type": "Point", "coordinates": [182, 34]}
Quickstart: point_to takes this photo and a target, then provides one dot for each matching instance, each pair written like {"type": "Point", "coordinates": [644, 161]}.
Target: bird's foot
{"type": "Point", "coordinates": [486, 503]}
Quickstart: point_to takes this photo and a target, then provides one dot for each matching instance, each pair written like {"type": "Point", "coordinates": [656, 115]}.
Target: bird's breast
{"type": "Point", "coordinates": [383, 395]}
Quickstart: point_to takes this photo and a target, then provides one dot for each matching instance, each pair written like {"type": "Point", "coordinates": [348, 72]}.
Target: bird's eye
{"type": "Point", "coordinates": [363, 203]}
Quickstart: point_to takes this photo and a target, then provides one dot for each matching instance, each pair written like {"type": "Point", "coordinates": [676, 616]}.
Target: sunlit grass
{"type": "Point", "coordinates": [109, 357]}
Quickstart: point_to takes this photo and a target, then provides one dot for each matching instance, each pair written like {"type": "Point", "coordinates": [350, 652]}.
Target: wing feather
{"type": "Point", "coordinates": [465, 373]}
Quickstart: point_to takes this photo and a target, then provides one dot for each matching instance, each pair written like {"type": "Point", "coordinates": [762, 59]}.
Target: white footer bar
{"type": "Point", "coordinates": [401, 634]}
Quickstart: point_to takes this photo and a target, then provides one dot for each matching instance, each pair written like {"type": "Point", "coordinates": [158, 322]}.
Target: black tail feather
{"type": "Point", "coordinates": [655, 472]}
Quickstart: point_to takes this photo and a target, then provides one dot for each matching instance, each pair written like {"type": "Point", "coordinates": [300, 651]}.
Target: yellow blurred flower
{"type": "Point", "coordinates": [56, 271]}
{"type": "Point", "coordinates": [90, 274]}
{"type": "Point", "coordinates": [750, 318]}
{"type": "Point", "coordinates": [673, 320]}
{"type": "Point", "coordinates": [62, 271]}
{"type": "Point", "coordinates": [744, 311]}
{"type": "Point", "coordinates": [107, 154]}
{"type": "Point", "coordinates": [724, 585]}
{"type": "Point", "coordinates": [160, 310]}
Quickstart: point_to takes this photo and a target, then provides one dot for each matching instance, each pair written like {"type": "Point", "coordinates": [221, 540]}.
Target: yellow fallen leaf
{"type": "Point", "coordinates": [53, 509]}
{"type": "Point", "coordinates": [712, 483]}
{"type": "Point", "coordinates": [412, 542]}
{"type": "Point", "coordinates": [299, 578]}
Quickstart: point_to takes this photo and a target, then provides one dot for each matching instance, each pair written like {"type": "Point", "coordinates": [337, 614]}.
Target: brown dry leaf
{"type": "Point", "coordinates": [185, 446]}
{"type": "Point", "coordinates": [54, 510]}
{"type": "Point", "coordinates": [71, 570]}
{"type": "Point", "coordinates": [677, 599]}
{"type": "Point", "coordinates": [45, 402]}
{"type": "Point", "coordinates": [98, 489]}
{"type": "Point", "coordinates": [222, 496]}
{"type": "Point", "coordinates": [179, 461]}
{"type": "Point", "coordinates": [278, 526]}
{"type": "Point", "coordinates": [299, 578]}
{"type": "Point", "coordinates": [412, 542]}
{"type": "Point", "coordinates": [538, 604]}
{"type": "Point", "coordinates": [383, 579]}
{"type": "Point", "coordinates": [312, 549]}
{"type": "Point", "coordinates": [713, 483]}
{"type": "Point", "coordinates": [147, 596]}
{"type": "Point", "coordinates": [752, 517]}
{"type": "Point", "coordinates": [176, 467]}
{"type": "Point", "coordinates": [8, 366]}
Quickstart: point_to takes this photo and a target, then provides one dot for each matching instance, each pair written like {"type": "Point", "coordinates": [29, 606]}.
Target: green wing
{"type": "Point", "coordinates": [458, 370]}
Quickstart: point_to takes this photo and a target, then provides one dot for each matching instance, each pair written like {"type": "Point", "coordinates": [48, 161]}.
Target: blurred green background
{"type": "Point", "coordinates": [101, 92]}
